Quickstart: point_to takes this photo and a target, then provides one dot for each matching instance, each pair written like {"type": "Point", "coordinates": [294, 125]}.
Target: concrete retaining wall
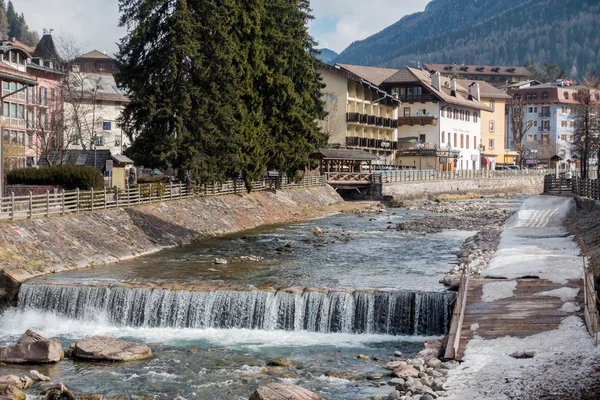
{"type": "Point", "coordinates": [35, 247]}
{"type": "Point", "coordinates": [512, 185]}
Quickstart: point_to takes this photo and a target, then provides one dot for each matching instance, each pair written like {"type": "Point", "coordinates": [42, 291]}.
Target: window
{"type": "Point", "coordinates": [13, 110]}
{"type": "Point", "coordinates": [535, 110]}
{"type": "Point", "coordinates": [475, 142]}
{"type": "Point", "coordinates": [87, 65]}
{"type": "Point", "coordinates": [75, 140]}
{"type": "Point", "coordinates": [545, 125]}
{"type": "Point", "coordinates": [544, 95]}
{"type": "Point", "coordinates": [571, 124]}
{"type": "Point", "coordinates": [566, 94]}
{"type": "Point", "coordinates": [100, 66]}
{"type": "Point", "coordinates": [21, 59]}
{"type": "Point", "coordinates": [30, 95]}
{"type": "Point", "coordinates": [43, 99]}
{"type": "Point", "coordinates": [52, 94]}
{"type": "Point", "coordinates": [455, 141]}
{"type": "Point", "coordinates": [117, 142]}
{"type": "Point", "coordinates": [474, 117]}
{"type": "Point", "coordinates": [534, 96]}
{"type": "Point", "coordinates": [468, 116]}
{"type": "Point", "coordinates": [443, 137]}
{"type": "Point", "coordinates": [492, 126]}
{"type": "Point", "coordinates": [563, 124]}
{"type": "Point", "coordinates": [30, 119]}
{"type": "Point", "coordinates": [21, 111]}
{"type": "Point", "coordinates": [462, 141]}
{"type": "Point", "coordinates": [462, 115]}
{"type": "Point", "coordinates": [467, 143]}
{"type": "Point", "coordinates": [563, 137]}
{"type": "Point", "coordinates": [455, 113]}
{"type": "Point", "coordinates": [535, 123]}
{"type": "Point", "coordinates": [13, 57]}
{"type": "Point", "coordinates": [6, 56]}
{"type": "Point", "coordinates": [30, 140]}
{"type": "Point", "coordinates": [112, 68]}
{"type": "Point", "coordinates": [407, 111]}
{"type": "Point", "coordinates": [422, 139]}
{"type": "Point", "coordinates": [442, 113]}
{"type": "Point", "coordinates": [491, 143]}
{"type": "Point", "coordinates": [530, 110]}
{"type": "Point", "coordinates": [493, 105]}
{"type": "Point", "coordinates": [43, 120]}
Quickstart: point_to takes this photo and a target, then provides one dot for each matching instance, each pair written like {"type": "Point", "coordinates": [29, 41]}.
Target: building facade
{"type": "Point", "coordinates": [550, 111]}
{"type": "Point", "coordinates": [439, 126]}
{"type": "Point", "coordinates": [496, 76]}
{"type": "Point", "coordinates": [96, 62]}
{"type": "Point", "coordinates": [360, 115]}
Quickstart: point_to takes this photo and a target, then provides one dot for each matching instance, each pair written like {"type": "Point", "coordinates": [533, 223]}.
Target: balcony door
{"type": "Point", "coordinates": [407, 111]}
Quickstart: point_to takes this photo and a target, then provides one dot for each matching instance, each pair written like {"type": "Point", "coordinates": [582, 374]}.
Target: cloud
{"type": "Point", "coordinates": [357, 19]}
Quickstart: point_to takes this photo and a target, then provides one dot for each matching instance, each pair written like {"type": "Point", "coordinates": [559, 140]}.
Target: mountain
{"type": "Point", "coordinates": [488, 32]}
{"type": "Point", "coordinates": [327, 55]}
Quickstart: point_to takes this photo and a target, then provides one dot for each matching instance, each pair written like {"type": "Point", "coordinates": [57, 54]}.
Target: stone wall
{"type": "Point", "coordinates": [34, 247]}
{"type": "Point", "coordinates": [533, 184]}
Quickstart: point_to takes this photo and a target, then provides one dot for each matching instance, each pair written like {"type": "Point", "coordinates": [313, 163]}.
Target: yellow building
{"type": "Point", "coordinates": [493, 127]}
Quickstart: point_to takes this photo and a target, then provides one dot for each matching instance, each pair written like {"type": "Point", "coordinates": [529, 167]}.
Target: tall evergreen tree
{"type": "Point", "coordinates": [4, 27]}
{"type": "Point", "coordinates": [12, 18]}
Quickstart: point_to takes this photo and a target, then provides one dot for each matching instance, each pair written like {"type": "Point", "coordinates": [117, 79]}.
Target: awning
{"type": "Point", "coordinates": [485, 161]}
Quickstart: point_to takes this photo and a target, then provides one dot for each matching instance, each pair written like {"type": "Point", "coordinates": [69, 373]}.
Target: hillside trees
{"type": "Point", "coordinates": [13, 25]}
{"type": "Point", "coordinates": [219, 88]}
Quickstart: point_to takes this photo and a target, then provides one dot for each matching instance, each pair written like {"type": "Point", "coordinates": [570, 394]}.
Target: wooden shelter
{"type": "Point", "coordinates": [347, 166]}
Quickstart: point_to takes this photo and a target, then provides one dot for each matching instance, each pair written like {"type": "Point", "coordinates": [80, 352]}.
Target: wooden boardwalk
{"type": "Point", "coordinates": [522, 315]}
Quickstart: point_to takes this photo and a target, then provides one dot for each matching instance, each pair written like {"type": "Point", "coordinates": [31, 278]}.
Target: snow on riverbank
{"type": "Point", "coordinates": [535, 244]}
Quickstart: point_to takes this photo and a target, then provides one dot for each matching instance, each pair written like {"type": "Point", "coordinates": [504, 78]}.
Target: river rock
{"type": "Point", "coordinates": [11, 380]}
{"type": "Point", "coordinates": [395, 395]}
{"type": "Point", "coordinates": [105, 348]}
{"type": "Point", "coordinates": [363, 357]}
{"type": "Point", "coordinates": [57, 391]}
{"type": "Point", "coordinates": [392, 365]}
{"type": "Point", "coordinates": [434, 362]}
{"type": "Point", "coordinates": [32, 348]}
{"type": "Point", "coordinates": [438, 385]}
{"type": "Point", "coordinates": [282, 391]}
{"type": "Point", "coordinates": [37, 377]}
{"type": "Point", "coordinates": [405, 371]}
{"type": "Point", "coordinates": [9, 392]}
{"type": "Point", "coordinates": [280, 362]}
{"type": "Point", "coordinates": [220, 261]}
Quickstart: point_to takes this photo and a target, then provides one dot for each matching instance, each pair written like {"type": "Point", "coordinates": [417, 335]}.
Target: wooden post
{"type": "Point", "coordinates": [77, 200]}
{"type": "Point", "coordinates": [63, 201]}
{"type": "Point", "coordinates": [139, 190]}
{"type": "Point", "coordinates": [127, 193]}
{"type": "Point", "coordinates": [171, 190]}
{"type": "Point", "coordinates": [47, 203]}
{"type": "Point", "coordinates": [180, 190]}
{"type": "Point", "coordinates": [116, 197]}
{"type": "Point", "coordinates": [104, 195]}
{"type": "Point", "coordinates": [12, 206]}
{"type": "Point", "coordinates": [92, 197]}
{"type": "Point", "coordinates": [150, 187]}
{"type": "Point", "coordinates": [30, 205]}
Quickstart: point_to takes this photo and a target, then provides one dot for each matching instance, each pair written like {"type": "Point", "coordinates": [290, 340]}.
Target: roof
{"type": "Point", "coordinates": [345, 154]}
{"type": "Point", "coordinates": [531, 82]}
{"type": "Point", "coordinates": [46, 50]}
{"type": "Point", "coordinates": [486, 90]}
{"type": "Point", "coordinates": [96, 54]}
{"type": "Point", "coordinates": [82, 158]}
{"type": "Point", "coordinates": [18, 43]}
{"type": "Point", "coordinates": [374, 75]}
{"type": "Point", "coordinates": [104, 85]}
{"type": "Point", "coordinates": [461, 97]}
{"type": "Point", "coordinates": [122, 159]}
{"type": "Point", "coordinates": [11, 74]}
{"type": "Point", "coordinates": [477, 69]}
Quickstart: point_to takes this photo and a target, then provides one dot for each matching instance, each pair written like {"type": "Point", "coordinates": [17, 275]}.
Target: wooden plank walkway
{"type": "Point", "coordinates": [522, 315]}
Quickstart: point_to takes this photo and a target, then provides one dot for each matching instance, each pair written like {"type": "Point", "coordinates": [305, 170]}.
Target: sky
{"type": "Point", "coordinates": [94, 23]}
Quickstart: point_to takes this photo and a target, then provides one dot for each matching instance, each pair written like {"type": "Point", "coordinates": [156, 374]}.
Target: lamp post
{"type": "Point", "coordinates": [534, 153]}
{"type": "Point", "coordinates": [420, 147]}
{"type": "Point", "coordinates": [385, 144]}
{"type": "Point", "coordinates": [3, 122]}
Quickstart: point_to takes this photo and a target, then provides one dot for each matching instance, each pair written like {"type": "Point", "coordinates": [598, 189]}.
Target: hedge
{"type": "Point", "coordinates": [69, 177]}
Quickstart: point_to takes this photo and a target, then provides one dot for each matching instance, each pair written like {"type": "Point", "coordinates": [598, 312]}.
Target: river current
{"type": "Point", "coordinates": [357, 287]}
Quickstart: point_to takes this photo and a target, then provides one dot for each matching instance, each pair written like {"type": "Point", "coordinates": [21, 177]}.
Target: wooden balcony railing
{"type": "Point", "coordinates": [425, 120]}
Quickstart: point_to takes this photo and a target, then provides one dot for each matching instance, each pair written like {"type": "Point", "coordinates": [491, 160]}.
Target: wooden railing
{"type": "Point", "coordinates": [67, 202]}
{"type": "Point", "coordinates": [586, 188]}
{"type": "Point", "coordinates": [423, 120]}
{"type": "Point", "coordinates": [434, 175]}
{"type": "Point", "coordinates": [590, 295]}
{"type": "Point", "coordinates": [458, 316]}
{"type": "Point", "coordinates": [348, 177]}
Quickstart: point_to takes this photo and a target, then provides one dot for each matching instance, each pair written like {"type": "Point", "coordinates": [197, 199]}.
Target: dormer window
{"type": "Point", "coordinates": [22, 59]}
{"type": "Point", "coordinates": [544, 95]}
{"type": "Point", "coordinates": [13, 57]}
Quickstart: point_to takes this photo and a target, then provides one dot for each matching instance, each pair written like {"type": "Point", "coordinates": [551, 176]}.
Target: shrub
{"type": "Point", "coordinates": [67, 176]}
{"type": "Point", "coordinates": [153, 179]}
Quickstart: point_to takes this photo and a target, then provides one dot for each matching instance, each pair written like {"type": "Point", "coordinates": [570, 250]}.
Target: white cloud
{"type": "Point", "coordinates": [357, 19]}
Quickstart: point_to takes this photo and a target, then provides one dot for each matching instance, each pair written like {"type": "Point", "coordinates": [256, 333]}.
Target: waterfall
{"type": "Point", "coordinates": [394, 312]}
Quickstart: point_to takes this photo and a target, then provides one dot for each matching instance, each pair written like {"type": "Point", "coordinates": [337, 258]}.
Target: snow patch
{"type": "Point", "coordinates": [498, 290]}
{"type": "Point", "coordinates": [570, 307]}
{"type": "Point", "coordinates": [474, 327]}
{"type": "Point", "coordinates": [564, 293]}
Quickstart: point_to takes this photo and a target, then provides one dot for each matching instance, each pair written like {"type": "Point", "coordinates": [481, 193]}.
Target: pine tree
{"type": "Point", "coordinates": [12, 18]}
{"type": "Point", "coordinates": [4, 27]}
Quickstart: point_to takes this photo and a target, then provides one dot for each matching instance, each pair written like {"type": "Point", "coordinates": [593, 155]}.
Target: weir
{"type": "Point", "coordinates": [360, 312]}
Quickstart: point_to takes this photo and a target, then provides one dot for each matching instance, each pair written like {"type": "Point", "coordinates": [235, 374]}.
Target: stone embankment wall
{"type": "Point", "coordinates": [36, 247]}
{"type": "Point", "coordinates": [584, 222]}
{"type": "Point", "coordinates": [533, 184]}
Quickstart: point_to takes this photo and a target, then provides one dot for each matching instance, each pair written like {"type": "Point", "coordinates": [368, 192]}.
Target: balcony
{"type": "Point", "coordinates": [417, 98]}
{"type": "Point", "coordinates": [357, 118]}
{"type": "Point", "coordinates": [425, 120]}
{"type": "Point", "coordinates": [366, 143]}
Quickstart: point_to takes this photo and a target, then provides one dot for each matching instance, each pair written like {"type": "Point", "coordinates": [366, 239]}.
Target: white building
{"type": "Point", "coordinates": [439, 124]}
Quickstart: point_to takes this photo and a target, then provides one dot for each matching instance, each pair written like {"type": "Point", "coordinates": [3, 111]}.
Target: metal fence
{"type": "Point", "coordinates": [67, 202]}
{"type": "Point", "coordinates": [434, 175]}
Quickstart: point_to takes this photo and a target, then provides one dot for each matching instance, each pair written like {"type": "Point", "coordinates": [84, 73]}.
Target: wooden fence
{"type": "Point", "coordinates": [586, 188]}
{"type": "Point", "coordinates": [434, 175]}
{"type": "Point", "coordinates": [590, 295]}
{"type": "Point", "coordinates": [66, 202]}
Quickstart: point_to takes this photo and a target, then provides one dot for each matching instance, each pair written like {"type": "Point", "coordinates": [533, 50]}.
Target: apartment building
{"type": "Point", "coordinates": [361, 116]}
{"type": "Point", "coordinates": [439, 126]}
{"type": "Point", "coordinates": [550, 110]}
{"type": "Point", "coordinates": [496, 76]}
{"type": "Point", "coordinates": [96, 62]}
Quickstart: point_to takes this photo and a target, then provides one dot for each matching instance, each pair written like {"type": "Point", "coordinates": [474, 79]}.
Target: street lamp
{"type": "Point", "coordinates": [3, 122]}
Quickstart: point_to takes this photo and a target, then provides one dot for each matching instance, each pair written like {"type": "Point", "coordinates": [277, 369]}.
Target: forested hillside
{"type": "Point", "coordinates": [327, 55]}
{"type": "Point", "coordinates": [489, 32]}
{"type": "Point", "coordinates": [12, 24]}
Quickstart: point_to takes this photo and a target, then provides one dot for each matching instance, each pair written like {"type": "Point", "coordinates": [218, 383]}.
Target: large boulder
{"type": "Point", "coordinates": [19, 382]}
{"type": "Point", "coordinates": [109, 349]}
{"type": "Point", "coordinates": [32, 348]}
{"type": "Point", "coordinates": [283, 391]}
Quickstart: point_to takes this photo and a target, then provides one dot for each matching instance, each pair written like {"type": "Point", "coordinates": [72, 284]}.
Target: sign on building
{"type": "Point", "coordinates": [106, 125]}
{"type": "Point", "coordinates": [109, 165]}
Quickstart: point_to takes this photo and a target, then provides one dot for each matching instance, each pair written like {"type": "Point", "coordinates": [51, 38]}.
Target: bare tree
{"type": "Point", "coordinates": [49, 128]}
{"type": "Point", "coordinates": [329, 125]}
{"type": "Point", "coordinates": [586, 139]}
{"type": "Point", "coordinates": [519, 127]}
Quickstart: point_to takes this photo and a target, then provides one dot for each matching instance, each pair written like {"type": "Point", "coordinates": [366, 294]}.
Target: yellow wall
{"type": "Point", "coordinates": [118, 177]}
{"type": "Point", "coordinates": [499, 133]}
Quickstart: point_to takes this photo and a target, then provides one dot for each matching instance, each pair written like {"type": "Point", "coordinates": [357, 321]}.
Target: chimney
{"type": "Point", "coordinates": [474, 91]}
{"type": "Point", "coordinates": [436, 81]}
{"type": "Point", "coordinates": [453, 87]}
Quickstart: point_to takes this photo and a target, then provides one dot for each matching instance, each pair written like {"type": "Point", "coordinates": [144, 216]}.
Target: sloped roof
{"type": "Point", "coordinates": [11, 74]}
{"type": "Point", "coordinates": [96, 54]}
{"type": "Point", "coordinates": [81, 158]}
{"type": "Point", "coordinates": [486, 90]}
{"type": "Point", "coordinates": [18, 43]}
{"type": "Point", "coordinates": [345, 154]}
{"type": "Point", "coordinates": [46, 50]}
{"type": "Point", "coordinates": [374, 75]}
{"type": "Point", "coordinates": [122, 159]}
{"type": "Point", "coordinates": [461, 97]}
{"type": "Point", "coordinates": [477, 69]}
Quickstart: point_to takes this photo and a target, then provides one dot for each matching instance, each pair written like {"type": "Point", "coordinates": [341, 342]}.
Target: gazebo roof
{"type": "Point", "coordinates": [344, 154]}
{"type": "Point", "coordinates": [556, 158]}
